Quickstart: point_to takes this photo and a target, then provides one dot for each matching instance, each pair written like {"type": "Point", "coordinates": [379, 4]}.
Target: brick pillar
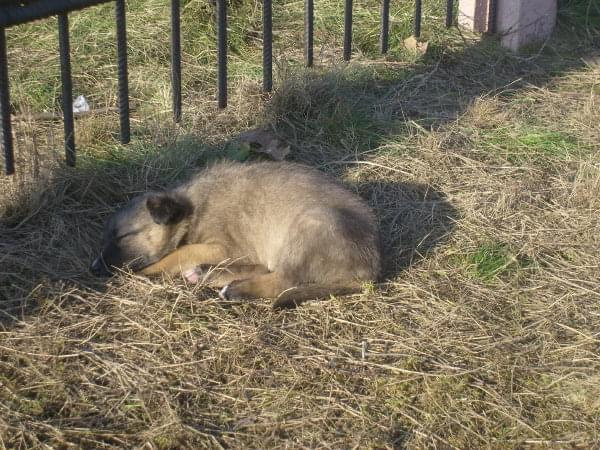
{"type": "Point", "coordinates": [518, 22]}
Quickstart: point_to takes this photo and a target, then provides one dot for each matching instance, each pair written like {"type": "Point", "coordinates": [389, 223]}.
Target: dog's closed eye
{"type": "Point", "coordinates": [124, 235]}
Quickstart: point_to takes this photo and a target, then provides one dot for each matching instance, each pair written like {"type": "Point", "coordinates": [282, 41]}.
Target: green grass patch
{"type": "Point", "coordinates": [492, 260]}
{"type": "Point", "coordinates": [523, 144]}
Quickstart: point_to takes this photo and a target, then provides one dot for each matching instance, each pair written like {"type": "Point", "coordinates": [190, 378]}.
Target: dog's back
{"type": "Point", "coordinates": [291, 219]}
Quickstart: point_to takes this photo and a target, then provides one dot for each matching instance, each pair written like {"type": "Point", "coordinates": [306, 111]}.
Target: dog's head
{"type": "Point", "coordinates": [146, 229]}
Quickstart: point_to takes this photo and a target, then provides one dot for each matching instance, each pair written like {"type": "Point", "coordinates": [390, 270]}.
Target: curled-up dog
{"type": "Point", "coordinates": [261, 230]}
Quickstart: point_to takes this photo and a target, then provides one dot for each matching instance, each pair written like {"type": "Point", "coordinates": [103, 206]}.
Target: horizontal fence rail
{"type": "Point", "coordinates": [15, 12]}
{"type": "Point", "coordinates": [18, 12]}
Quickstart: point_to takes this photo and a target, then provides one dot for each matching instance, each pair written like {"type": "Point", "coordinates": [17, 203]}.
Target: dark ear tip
{"type": "Point", "coordinates": [154, 200]}
{"type": "Point", "coordinates": [166, 209]}
{"type": "Point", "coordinates": [151, 203]}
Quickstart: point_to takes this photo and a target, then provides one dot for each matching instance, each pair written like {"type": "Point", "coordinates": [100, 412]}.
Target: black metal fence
{"type": "Point", "coordinates": [15, 12]}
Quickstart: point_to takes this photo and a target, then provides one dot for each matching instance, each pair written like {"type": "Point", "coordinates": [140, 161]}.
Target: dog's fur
{"type": "Point", "coordinates": [267, 229]}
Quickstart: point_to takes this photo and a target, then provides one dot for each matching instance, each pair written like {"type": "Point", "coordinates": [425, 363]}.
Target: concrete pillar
{"type": "Point", "coordinates": [523, 22]}
{"type": "Point", "coordinates": [518, 22]}
{"type": "Point", "coordinates": [473, 15]}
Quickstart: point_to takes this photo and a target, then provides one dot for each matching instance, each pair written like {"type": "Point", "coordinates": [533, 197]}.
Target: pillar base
{"type": "Point", "coordinates": [518, 22]}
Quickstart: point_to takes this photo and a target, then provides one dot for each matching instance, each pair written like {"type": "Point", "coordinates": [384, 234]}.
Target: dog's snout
{"type": "Point", "coordinates": [99, 268]}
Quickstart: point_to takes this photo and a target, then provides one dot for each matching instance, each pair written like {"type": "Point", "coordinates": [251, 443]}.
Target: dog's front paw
{"type": "Point", "coordinates": [191, 276]}
{"type": "Point", "coordinates": [233, 291]}
{"type": "Point", "coordinates": [224, 293]}
{"type": "Point", "coordinates": [198, 274]}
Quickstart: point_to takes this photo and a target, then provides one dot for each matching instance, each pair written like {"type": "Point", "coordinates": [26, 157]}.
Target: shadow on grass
{"type": "Point", "coordinates": [332, 114]}
{"type": "Point", "coordinates": [50, 229]}
{"type": "Point", "coordinates": [413, 220]}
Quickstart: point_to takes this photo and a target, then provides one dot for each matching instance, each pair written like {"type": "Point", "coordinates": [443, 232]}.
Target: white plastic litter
{"type": "Point", "coordinates": [80, 105]}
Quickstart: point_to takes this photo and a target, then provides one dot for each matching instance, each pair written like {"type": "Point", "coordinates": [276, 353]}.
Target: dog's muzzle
{"type": "Point", "coordinates": [99, 268]}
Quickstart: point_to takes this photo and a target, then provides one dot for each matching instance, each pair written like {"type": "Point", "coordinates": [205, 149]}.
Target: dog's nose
{"type": "Point", "coordinates": [99, 268]}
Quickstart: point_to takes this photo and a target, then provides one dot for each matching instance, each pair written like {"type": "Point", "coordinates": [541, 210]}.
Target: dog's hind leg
{"type": "Point", "coordinates": [268, 285]}
{"type": "Point", "coordinates": [219, 276]}
{"type": "Point", "coordinates": [293, 297]}
{"type": "Point", "coordinates": [286, 295]}
{"type": "Point", "coordinates": [187, 257]}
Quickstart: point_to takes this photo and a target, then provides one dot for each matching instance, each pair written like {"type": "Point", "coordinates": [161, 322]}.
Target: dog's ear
{"type": "Point", "coordinates": [166, 209]}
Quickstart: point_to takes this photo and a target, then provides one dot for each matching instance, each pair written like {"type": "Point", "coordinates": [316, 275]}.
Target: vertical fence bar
{"type": "Point", "coordinates": [221, 53]}
{"type": "Point", "coordinates": [176, 59]}
{"type": "Point", "coordinates": [267, 46]}
{"type": "Point", "coordinates": [7, 142]}
{"type": "Point", "coordinates": [492, 12]}
{"type": "Point", "coordinates": [67, 87]}
{"type": "Point", "coordinates": [449, 12]}
{"type": "Point", "coordinates": [385, 26]}
{"type": "Point", "coordinates": [347, 29]}
{"type": "Point", "coordinates": [417, 19]}
{"type": "Point", "coordinates": [309, 17]}
{"type": "Point", "coordinates": [122, 70]}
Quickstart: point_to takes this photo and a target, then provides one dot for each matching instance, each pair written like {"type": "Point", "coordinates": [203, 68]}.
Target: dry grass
{"type": "Point", "coordinates": [485, 333]}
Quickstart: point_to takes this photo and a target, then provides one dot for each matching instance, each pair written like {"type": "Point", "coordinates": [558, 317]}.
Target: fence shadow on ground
{"type": "Point", "coordinates": [350, 110]}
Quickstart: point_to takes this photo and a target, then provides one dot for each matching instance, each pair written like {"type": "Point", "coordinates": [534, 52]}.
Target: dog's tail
{"type": "Point", "coordinates": [293, 297]}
